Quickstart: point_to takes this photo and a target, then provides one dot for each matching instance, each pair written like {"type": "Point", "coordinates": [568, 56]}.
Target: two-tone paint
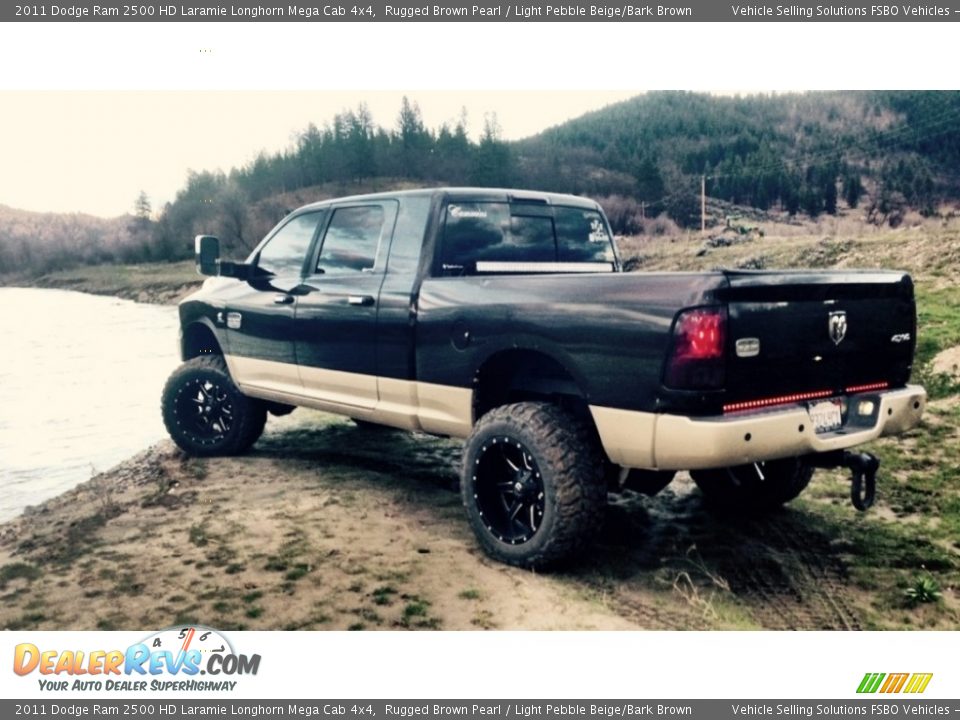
{"type": "Point", "coordinates": [405, 346]}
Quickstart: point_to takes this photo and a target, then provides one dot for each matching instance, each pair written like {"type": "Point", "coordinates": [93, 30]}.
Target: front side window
{"type": "Point", "coordinates": [351, 242]}
{"type": "Point", "coordinates": [285, 252]}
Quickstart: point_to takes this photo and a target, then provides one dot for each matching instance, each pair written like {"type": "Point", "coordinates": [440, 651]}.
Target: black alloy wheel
{"type": "Point", "coordinates": [532, 484]}
{"type": "Point", "coordinates": [205, 412]}
{"type": "Point", "coordinates": [509, 491]}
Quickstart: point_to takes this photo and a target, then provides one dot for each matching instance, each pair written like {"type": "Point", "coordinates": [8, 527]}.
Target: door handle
{"type": "Point", "coordinates": [363, 300]}
{"type": "Point", "coordinates": [282, 299]}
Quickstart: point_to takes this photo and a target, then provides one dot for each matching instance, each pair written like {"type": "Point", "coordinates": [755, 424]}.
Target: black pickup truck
{"type": "Point", "coordinates": [504, 317]}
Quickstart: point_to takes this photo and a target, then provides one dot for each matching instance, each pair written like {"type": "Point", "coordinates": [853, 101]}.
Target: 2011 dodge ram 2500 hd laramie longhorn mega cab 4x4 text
{"type": "Point", "coordinates": [503, 317]}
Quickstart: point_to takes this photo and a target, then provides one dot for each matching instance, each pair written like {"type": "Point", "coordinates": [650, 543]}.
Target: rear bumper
{"type": "Point", "coordinates": [676, 442]}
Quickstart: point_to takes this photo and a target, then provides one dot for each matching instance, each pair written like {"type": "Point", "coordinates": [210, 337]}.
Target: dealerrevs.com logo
{"type": "Point", "coordinates": [180, 659]}
{"type": "Point", "coordinates": [894, 682]}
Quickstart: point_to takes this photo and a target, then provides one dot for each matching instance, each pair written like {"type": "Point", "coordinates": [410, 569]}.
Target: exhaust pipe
{"type": "Point", "coordinates": [863, 474]}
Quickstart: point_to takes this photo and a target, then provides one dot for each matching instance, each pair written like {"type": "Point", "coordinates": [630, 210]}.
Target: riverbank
{"type": "Point", "coordinates": [302, 533]}
{"type": "Point", "coordinates": [324, 525]}
{"type": "Point", "coordinates": [156, 283]}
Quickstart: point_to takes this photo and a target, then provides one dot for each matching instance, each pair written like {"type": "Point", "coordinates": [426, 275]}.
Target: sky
{"type": "Point", "coordinates": [130, 107]}
{"type": "Point", "coordinates": [94, 151]}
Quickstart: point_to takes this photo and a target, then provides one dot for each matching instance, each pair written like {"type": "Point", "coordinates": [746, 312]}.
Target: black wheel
{"type": "Point", "coordinates": [204, 411]}
{"type": "Point", "coordinates": [756, 487]}
{"type": "Point", "coordinates": [532, 484]}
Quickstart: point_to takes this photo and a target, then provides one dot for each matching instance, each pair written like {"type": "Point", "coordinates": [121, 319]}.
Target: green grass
{"type": "Point", "coordinates": [924, 589]}
{"type": "Point", "coordinates": [16, 571]}
{"type": "Point", "coordinates": [416, 614]}
{"type": "Point", "coordinates": [382, 595]}
{"type": "Point", "coordinates": [907, 550]}
{"type": "Point", "coordinates": [198, 535]}
{"type": "Point", "coordinates": [297, 571]}
{"type": "Point", "coordinates": [938, 329]}
{"type": "Point", "coordinates": [123, 279]}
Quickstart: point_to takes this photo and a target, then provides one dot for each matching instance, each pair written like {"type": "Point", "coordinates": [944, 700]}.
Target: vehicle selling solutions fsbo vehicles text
{"type": "Point", "coordinates": [838, 11]}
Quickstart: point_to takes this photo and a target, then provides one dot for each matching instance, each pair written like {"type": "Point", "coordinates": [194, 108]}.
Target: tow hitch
{"type": "Point", "coordinates": [863, 473]}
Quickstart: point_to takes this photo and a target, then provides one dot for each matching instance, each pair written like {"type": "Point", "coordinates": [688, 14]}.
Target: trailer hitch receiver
{"type": "Point", "coordinates": [863, 474]}
{"type": "Point", "coordinates": [863, 481]}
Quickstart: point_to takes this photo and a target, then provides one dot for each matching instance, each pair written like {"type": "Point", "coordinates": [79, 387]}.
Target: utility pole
{"type": "Point", "coordinates": [703, 204]}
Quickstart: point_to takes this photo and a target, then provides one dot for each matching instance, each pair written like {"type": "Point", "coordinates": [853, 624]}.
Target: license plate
{"type": "Point", "coordinates": [825, 416]}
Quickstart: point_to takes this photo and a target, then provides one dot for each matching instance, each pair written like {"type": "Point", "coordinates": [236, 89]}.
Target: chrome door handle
{"type": "Point", "coordinates": [363, 300]}
{"type": "Point", "coordinates": [282, 299]}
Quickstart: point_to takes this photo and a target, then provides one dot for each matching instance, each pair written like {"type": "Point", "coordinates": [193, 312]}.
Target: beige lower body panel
{"type": "Point", "coordinates": [675, 442]}
{"type": "Point", "coordinates": [264, 375]}
{"type": "Point", "coordinates": [405, 404]}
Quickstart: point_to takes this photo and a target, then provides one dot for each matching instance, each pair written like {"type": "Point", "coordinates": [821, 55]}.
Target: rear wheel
{"type": "Point", "coordinates": [532, 484]}
{"type": "Point", "coordinates": [756, 487]}
{"type": "Point", "coordinates": [206, 414]}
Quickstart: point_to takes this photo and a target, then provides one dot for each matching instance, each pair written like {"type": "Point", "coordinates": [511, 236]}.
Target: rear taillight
{"type": "Point", "coordinates": [696, 360]}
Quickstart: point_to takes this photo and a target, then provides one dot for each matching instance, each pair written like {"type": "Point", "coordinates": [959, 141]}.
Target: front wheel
{"type": "Point", "coordinates": [756, 487]}
{"type": "Point", "coordinates": [532, 484]}
{"type": "Point", "coordinates": [205, 412]}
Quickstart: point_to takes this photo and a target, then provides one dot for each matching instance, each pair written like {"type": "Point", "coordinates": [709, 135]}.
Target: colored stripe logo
{"type": "Point", "coordinates": [894, 683]}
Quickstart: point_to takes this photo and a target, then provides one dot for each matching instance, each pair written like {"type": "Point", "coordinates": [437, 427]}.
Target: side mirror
{"type": "Point", "coordinates": [207, 249]}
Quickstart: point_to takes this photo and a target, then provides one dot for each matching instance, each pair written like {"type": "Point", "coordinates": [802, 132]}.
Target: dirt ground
{"type": "Point", "coordinates": [326, 525]}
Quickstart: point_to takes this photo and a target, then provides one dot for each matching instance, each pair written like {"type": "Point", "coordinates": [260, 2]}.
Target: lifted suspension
{"type": "Point", "coordinates": [863, 473]}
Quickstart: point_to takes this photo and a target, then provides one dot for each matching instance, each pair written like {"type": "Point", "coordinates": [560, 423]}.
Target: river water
{"type": "Point", "coordinates": [80, 382]}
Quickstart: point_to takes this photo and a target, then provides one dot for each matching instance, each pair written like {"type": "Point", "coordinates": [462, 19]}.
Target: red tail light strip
{"type": "Point", "coordinates": [779, 400]}
{"type": "Point", "coordinates": [800, 397]}
{"type": "Point", "coordinates": [866, 388]}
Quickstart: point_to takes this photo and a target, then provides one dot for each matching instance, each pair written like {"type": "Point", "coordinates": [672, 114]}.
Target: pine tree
{"type": "Point", "coordinates": [852, 190]}
{"type": "Point", "coordinates": [830, 197]}
{"type": "Point", "coordinates": [142, 210]}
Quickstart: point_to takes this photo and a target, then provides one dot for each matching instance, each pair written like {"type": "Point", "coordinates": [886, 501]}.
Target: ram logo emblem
{"type": "Point", "coordinates": [837, 326]}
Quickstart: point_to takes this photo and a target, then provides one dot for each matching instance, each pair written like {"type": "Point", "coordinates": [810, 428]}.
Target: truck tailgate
{"type": "Point", "coordinates": [814, 334]}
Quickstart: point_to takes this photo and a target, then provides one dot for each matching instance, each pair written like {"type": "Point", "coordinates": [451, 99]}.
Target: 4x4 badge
{"type": "Point", "coordinates": [837, 326]}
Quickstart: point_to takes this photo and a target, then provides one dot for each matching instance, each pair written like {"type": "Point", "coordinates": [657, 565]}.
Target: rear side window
{"type": "Point", "coordinates": [493, 237]}
{"type": "Point", "coordinates": [582, 236]}
{"type": "Point", "coordinates": [351, 241]}
{"type": "Point", "coordinates": [474, 231]}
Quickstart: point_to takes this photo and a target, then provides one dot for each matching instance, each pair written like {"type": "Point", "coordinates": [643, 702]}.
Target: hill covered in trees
{"type": "Point", "coordinates": [807, 154]}
{"type": "Point", "coordinates": [793, 153]}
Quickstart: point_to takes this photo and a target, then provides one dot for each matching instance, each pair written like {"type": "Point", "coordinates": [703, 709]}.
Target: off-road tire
{"type": "Point", "coordinates": [199, 386]}
{"type": "Point", "coordinates": [560, 462]}
{"type": "Point", "coordinates": [754, 488]}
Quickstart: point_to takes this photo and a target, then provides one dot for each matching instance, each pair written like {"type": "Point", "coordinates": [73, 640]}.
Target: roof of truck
{"type": "Point", "coordinates": [464, 194]}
